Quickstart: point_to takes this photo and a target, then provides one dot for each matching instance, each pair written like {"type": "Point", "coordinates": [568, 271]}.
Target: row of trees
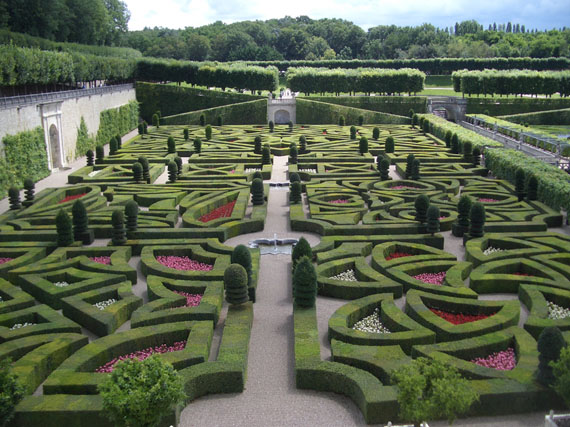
{"type": "Point", "coordinates": [513, 82]}
{"type": "Point", "coordinates": [367, 80]}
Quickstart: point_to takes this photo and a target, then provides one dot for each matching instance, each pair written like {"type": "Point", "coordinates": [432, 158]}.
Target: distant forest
{"type": "Point", "coordinates": [104, 22]}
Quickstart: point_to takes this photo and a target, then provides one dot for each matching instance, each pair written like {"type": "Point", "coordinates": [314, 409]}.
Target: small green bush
{"type": "Point", "coordinates": [352, 132]}
{"type": "Point", "coordinates": [113, 146]}
{"type": "Point", "coordinates": [155, 121]}
{"type": "Point", "coordinates": [384, 167]}
{"type": "Point", "coordinates": [202, 120]}
{"type": "Point", "coordinates": [447, 138]}
{"type": "Point", "coordinates": [293, 153]}
{"type": "Point", "coordinates": [454, 144]}
{"type": "Point", "coordinates": [463, 213]}
{"type": "Point", "coordinates": [171, 145]}
{"type": "Point", "coordinates": [99, 154]}
{"type": "Point", "coordinates": [141, 393]}
{"type": "Point", "coordinates": [197, 145]}
{"type": "Point", "coordinates": [235, 283]}
{"type": "Point", "coordinates": [80, 219]}
{"type": "Point", "coordinates": [520, 179]}
{"type": "Point", "coordinates": [118, 234]}
{"type": "Point", "coordinates": [477, 219]}
{"type": "Point", "coordinates": [532, 188]}
{"type": "Point", "coordinates": [302, 144]}
{"type": "Point", "coordinates": [295, 196]}
{"type": "Point", "coordinates": [178, 161]}
{"type": "Point", "coordinates": [360, 120]}
{"type": "Point", "coordinates": [363, 145]}
{"type": "Point", "coordinates": [186, 134]}
{"type": "Point", "coordinates": [140, 128]}
{"type": "Point", "coordinates": [64, 229]}
{"type": "Point", "coordinates": [341, 120]}
{"type": "Point", "coordinates": [290, 124]}
{"type": "Point", "coordinates": [294, 177]}
{"type": "Point", "coordinates": [432, 219]}
{"type": "Point", "coordinates": [257, 145]}
{"type": "Point", "coordinates": [257, 196]}
{"type": "Point", "coordinates": [242, 256]}
{"type": "Point", "coordinates": [305, 283]}
{"type": "Point", "coordinates": [389, 145]}
{"type": "Point", "coordinates": [145, 168]}
{"type": "Point", "coordinates": [409, 163]}
{"type": "Point", "coordinates": [14, 198]}
{"type": "Point", "coordinates": [425, 126]}
{"type": "Point", "coordinates": [561, 371]}
{"type": "Point", "coordinates": [11, 391]}
{"type": "Point", "coordinates": [137, 172]}
{"type": "Point", "coordinates": [220, 121]}
{"type": "Point", "coordinates": [257, 174]}
{"type": "Point", "coordinates": [476, 156]}
{"type": "Point", "coordinates": [172, 171]}
{"type": "Point", "coordinates": [375, 133]}
{"type": "Point", "coordinates": [421, 204]}
{"type": "Point", "coordinates": [131, 215]}
{"type": "Point", "coordinates": [90, 157]}
{"type": "Point", "coordinates": [119, 140]}
{"type": "Point", "coordinates": [266, 155]}
{"type": "Point", "coordinates": [301, 249]}
{"type": "Point", "coordinates": [416, 170]}
{"type": "Point", "coordinates": [415, 120]}
{"type": "Point", "coordinates": [271, 126]}
{"type": "Point", "coordinates": [549, 345]}
{"type": "Point", "coordinates": [208, 132]}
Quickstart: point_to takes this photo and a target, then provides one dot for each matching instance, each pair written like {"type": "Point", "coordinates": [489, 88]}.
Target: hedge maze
{"type": "Point", "coordinates": [145, 270]}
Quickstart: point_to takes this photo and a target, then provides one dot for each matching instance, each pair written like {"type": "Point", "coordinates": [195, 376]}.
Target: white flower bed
{"type": "Point", "coordinates": [102, 305]}
{"type": "Point", "coordinates": [491, 250]}
{"type": "Point", "coordinates": [308, 170]}
{"type": "Point", "coordinates": [372, 324]}
{"type": "Point", "coordinates": [347, 276]}
{"type": "Point", "coordinates": [62, 284]}
{"type": "Point", "coordinates": [21, 325]}
{"type": "Point", "coordinates": [92, 174]}
{"type": "Point", "coordinates": [251, 170]}
{"type": "Point", "coordinates": [557, 312]}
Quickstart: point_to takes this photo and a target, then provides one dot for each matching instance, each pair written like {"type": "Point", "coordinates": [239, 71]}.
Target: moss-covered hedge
{"type": "Point", "coordinates": [551, 117]}
{"type": "Point", "coordinates": [117, 121]}
{"type": "Point", "coordinates": [313, 112]}
{"type": "Point", "coordinates": [251, 112]}
{"type": "Point", "coordinates": [509, 106]}
{"type": "Point", "coordinates": [398, 105]}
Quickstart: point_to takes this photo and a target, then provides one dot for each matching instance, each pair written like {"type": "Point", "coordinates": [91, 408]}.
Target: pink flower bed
{"type": "Point", "coordinates": [431, 278]}
{"type": "Point", "coordinates": [3, 260]}
{"type": "Point", "coordinates": [518, 273]}
{"type": "Point", "coordinates": [403, 187]}
{"type": "Point", "coordinates": [484, 200]}
{"type": "Point", "coordinates": [101, 259]}
{"type": "Point", "coordinates": [224, 211]}
{"type": "Point", "coordinates": [501, 360]}
{"type": "Point", "coordinates": [183, 263]}
{"type": "Point", "coordinates": [192, 300]}
{"type": "Point", "coordinates": [141, 355]}
{"type": "Point", "coordinates": [75, 196]}
{"type": "Point", "coordinates": [397, 255]}
{"type": "Point", "coordinates": [339, 201]}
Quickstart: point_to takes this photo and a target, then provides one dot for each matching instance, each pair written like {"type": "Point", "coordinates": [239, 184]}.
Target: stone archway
{"type": "Point", "coordinates": [54, 148]}
{"type": "Point", "coordinates": [282, 117]}
{"type": "Point", "coordinates": [51, 121]}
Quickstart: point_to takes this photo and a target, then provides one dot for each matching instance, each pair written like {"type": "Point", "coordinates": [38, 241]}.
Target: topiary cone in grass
{"type": "Point", "coordinates": [197, 145]}
{"type": "Point", "coordinates": [341, 121]}
{"type": "Point", "coordinates": [409, 163]}
{"type": "Point", "coordinates": [235, 284]}
{"type": "Point", "coordinates": [137, 172]}
{"type": "Point", "coordinates": [64, 229]}
{"type": "Point", "coordinates": [172, 171]}
{"type": "Point", "coordinates": [99, 154]}
{"type": "Point", "coordinates": [81, 223]}
{"type": "Point", "coordinates": [389, 145]}
{"type": "Point", "coordinates": [14, 198]}
{"type": "Point", "coordinates": [532, 188]}
{"type": "Point", "coordinates": [363, 145]}
{"type": "Point", "coordinates": [302, 144]}
{"type": "Point", "coordinates": [155, 121]}
{"type": "Point", "coordinates": [301, 249]}
{"type": "Point", "coordinates": [432, 220]}
{"type": "Point", "coordinates": [90, 158]}
{"type": "Point", "coordinates": [119, 236]}
{"type": "Point", "coordinates": [208, 132]}
{"type": "Point", "coordinates": [266, 155]}
{"type": "Point", "coordinates": [360, 120]}
{"type": "Point", "coordinates": [293, 153]}
{"type": "Point", "coordinates": [257, 145]}
{"type": "Point", "coordinates": [352, 132]}
{"type": "Point", "coordinates": [29, 188]}
{"type": "Point", "coordinates": [131, 215]}
{"type": "Point", "coordinates": [461, 227]}
{"type": "Point", "coordinates": [375, 133]}
{"type": "Point", "coordinates": [477, 219]}
{"type": "Point", "coordinates": [305, 283]}
{"type": "Point", "coordinates": [550, 343]}
{"type": "Point", "coordinates": [294, 176]}
{"type": "Point", "coordinates": [271, 126]}
{"type": "Point", "coordinates": [384, 167]}
{"type": "Point", "coordinates": [416, 170]}
{"type": "Point", "coordinates": [257, 196]}
{"type": "Point", "coordinates": [171, 145]}
{"type": "Point", "coordinates": [186, 134]}
{"type": "Point", "coordinates": [113, 146]}
{"type": "Point", "coordinates": [257, 174]}
{"type": "Point", "coordinates": [145, 168]}
{"type": "Point", "coordinates": [295, 196]}
{"type": "Point", "coordinates": [421, 204]}
{"type": "Point", "coordinates": [178, 161]}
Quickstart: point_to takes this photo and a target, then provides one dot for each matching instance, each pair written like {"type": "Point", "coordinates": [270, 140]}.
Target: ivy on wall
{"type": "Point", "coordinates": [84, 142]}
{"type": "Point", "coordinates": [117, 121]}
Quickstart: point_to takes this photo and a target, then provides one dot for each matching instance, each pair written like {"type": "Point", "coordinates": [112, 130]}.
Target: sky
{"type": "Point", "coordinates": [175, 14]}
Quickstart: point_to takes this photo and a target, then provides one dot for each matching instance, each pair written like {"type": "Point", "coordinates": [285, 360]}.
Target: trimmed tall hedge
{"type": "Point", "coordinates": [251, 112]}
{"type": "Point", "coordinates": [313, 112]}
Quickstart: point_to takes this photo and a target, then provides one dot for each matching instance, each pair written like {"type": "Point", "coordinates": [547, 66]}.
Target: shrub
{"type": "Point", "coordinates": [363, 145]}
{"type": "Point", "coordinates": [99, 154]}
{"type": "Point", "coordinates": [352, 132]}
{"type": "Point", "coordinates": [11, 391]}
{"type": "Point", "coordinates": [550, 343]}
{"type": "Point", "coordinates": [409, 163]}
{"type": "Point", "coordinates": [389, 145]}
{"type": "Point", "coordinates": [384, 167]}
{"type": "Point", "coordinates": [80, 219]}
{"type": "Point", "coordinates": [118, 234]}
{"type": "Point", "coordinates": [14, 197]}
{"type": "Point", "coordinates": [145, 126]}
{"type": "Point", "coordinates": [137, 172]}
{"type": "Point", "coordinates": [341, 121]}
{"type": "Point", "coordinates": [305, 283]}
{"type": "Point", "coordinates": [140, 128]}
{"type": "Point", "coordinates": [119, 140]}
{"type": "Point", "coordinates": [301, 249]}
{"type": "Point", "coordinates": [425, 126]}
{"type": "Point", "coordinates": [294, 177]}
{"type": "Point", "coordinates": [271, 126]}
{"type": "Point", "coordinates": [197, 145]}
{"type": "Point", "coordinates": [293, 153]}
{"type": "Point", "coordinates": [257, 174]}
{"type": "Point", "coordinates": [178, 161]}
{"type": "Point", "coordinates": [202, 120]}
{"type": "Point", "coordinates": [375, 133]}
{"type": "Point", "coordinates": [186, 134]}
{"type": "Point", "coordinates": [432, 220]}
{"type": "Point", "coordinates": [463, 213]}
{"type": "Point", "coordinates": [415, 120]}
{"type": "Point", "coordinates": [360, 120]}
{"type": "Point", "coordinates": [171, 144]}
{"type": "Point", "coordinates": [266, 155]}
{"type": "Point", "coordinates": [257, 145]}
{"type": "Point", "coordinates": [295, 196]}
{"type": "Point", "coordinates": [302, 144]}
{"type": "Point", "coordinates": [90, 157]}
{"type": "Point", "coordinates": [172, 171]}
{"type": "Point", "coordinates": [520, 184]}
{"type": "Point", "coordinates": [64, 229]}
{"type": "Point", "coordinates": [242, 256]}
{"type": "Point", "coordinates": [113, 146]}
{"type": "Point", "coordinates": [468, 152]}
{"type": "Point", "coordinates": [29, 188]}
{"type": "Point", "coordinates": [411, 113]}
{"type": "Point", "coordinates": [290, 124]}
{"type": "Point", "coordinates": [141, 393]}
{"type": "Point", "coordinates": [235, 283]}
{"type": "Point", "coordinates": [421, 123]}
{"type": "Point", "coordinates": [448, 138]}
{"type": "Point", "coordinates": [208, 132]}
{"type": "Point", "coordinates": [131, 215]}
{"type": "Point", "coordinates": [477, 219]}
{"type": "Point", "coordinates": [476, 156]}
{"type": "Point", "coordinates": [155, 121]}
{"type": "Point", "coordinates": [421, 204]}
{"type": "Point", "coordinates": [561, 371]}
{"type": "Point", "coordinates": [220, 121]}
{"type": "Point", "coordinates": [145, 168]}
{"type": "Point", "coordinates": [257, 197]}
{"type": "Point", "coordinates": [532, 188]}
{"type": "Point", "coordinates": [454, 144]}
{"type": "Point", "coordinates": [416, 170]}
{"type": "Point", "coordinates": [430, 389]}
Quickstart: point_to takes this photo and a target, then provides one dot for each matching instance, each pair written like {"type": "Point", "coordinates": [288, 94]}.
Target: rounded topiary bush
{"type": "Point", "coordinates": [432, 219]}
{"type": "Point", "coordinates": [447, 138]}
{"type": "Point", "coordinates": [64, 229]}
{"type": "Point", "coordinates": [257, 145]}
{"type": "Point", "coordinates": [341, 121]}
{"type": "Point", "coordinates": [550, 343]}
{"type": "Point", "coordinates": [119, 141]}
{"type": "Point", "coordinates": [186, 134]}
{"type": "Point", "coordinates": [301, 249]}
{"type": "Point", "coordinates": [90, 157]}
{"type": "Point", "coordinates": [425, 126]}
{"type": "Point", "coordinates": [266, 155]}
{"type": "Point", "coordinates": [197, 145]}
{"type": "Point", "coordinates": [145, 168]}
{"type": "Point", "coordinates": [463, 213]}
{"type": "Point", "coordinates": [171, 145]}
{"type": "Point", "coordinates": [99, 154]}
{"type": "Point", "coordinates": [305, 283]}
{"type": "Point", "coordinates": [384, 167]}
{"type": "Point", "coordinates": [293, 153]}
{"type": "Point", "coordinates": [416, 170]}
{"type": "Point", "coordinates": [271, 126]}
{"type": "Point", "coordinates": [295, 196]}
{"type": "Point", "coordinates": [294, 176]}
{"type": "Point", "coordinates": [375, 133]}
{"type": "Point", "coordinates": [178, 161]}
{"type": "Point", "coordinates": [257, 196]}
{"type": "Point", "coordinates": [454, 143]}
{"type": "Point", "coordinates": [137, 172]}
{"type": "Point", "coordinates": [235, 283]}
{"type": "Point", "coordinates": [131, 215]}
{"type": "Point", "coordinates": [140, 128]}
{"type": "Point", "coordinates": [476, 156]}
{"type": "Point", "coordinates": [80, 219]}
{"type": "Point", "coordinates": [14, 198]}
{"type": "Point", "coordinates": [477, 220]}
{"type": "Point", "coordinates": [363, 145]}
{"type": "Point", "coordinates": [242, 256]}
{"type": "Point", "coordinates": [409, 163]}
{"type": "Point", "coordinates": [113, 146]}
{"type": "Point", "coordinates": [172, 171]}
{"type": "Point", "coordinates": [421, 204]}
{"type": "Point", "coordinates": [532, 188]}
{"type": "Point", "coordinates": [118, 233]}
{"type": "Point", "coordinates": [520, 179]}
{"type": "Point", "coordinates": [257, 174]}
{"type": "Point", "coordinates": [208, 132]}
{"type": "Point", "coordinates": [302, 144]}
{"type": "Point", "coordinates": [389, 145]}
{"type": "Point", "coordinates": [29, 187]}
{"type": "Point", "coordinates": [352, 132]}
{"type": "Point", "coordinates": [155, 121]}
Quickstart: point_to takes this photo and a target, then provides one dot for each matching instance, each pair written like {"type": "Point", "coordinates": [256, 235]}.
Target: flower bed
{"type": "Point", "coordinates": [101, 259]}
{"type": "Point", "coordinates": [486, 200]}
{"type": "Point", "coordinates": [403, 187]}
{"type": "Point", "coordinates": [224, 211]}
{"type": "Point", "coordinates": [141, 355]}
{"type": "Point", "coordinates": [397, 255]}
{"type": "Point", "coordinates": [347, 276]}
{"type": "Point", "coordinates": [491, 250]}
{"type": "Point", "coordinates": [518, 273]}
{"type": "Point", "coordinates": [102, 305]}
{"type": "Point", "coordinates": [459, 318]}
{"type": "Point", "coordinates": [501, 360]}
{"type": "Point", "coordinates": [62, 284]}
{"type": "Point", "coordinates": [92, 174]}
{"type": "Point", "coordinates": [372, 324]}
{"type": "Point", "coordinates": [192, 300]}
{"type": "Point", "coordinates": [183, 263]}
{"type": "Point", "coordinates": [431, 278]}
{"type": "Point", "coordinates": [21, 325]}
{"type": "Point", "coordinates": [557, 312]}
{"type": "Point", "coordinates": [4, 260]}
{"type": "Point", "coordinates": [339, 201]}
{"type": "Point", "coordinates": [72, 197]}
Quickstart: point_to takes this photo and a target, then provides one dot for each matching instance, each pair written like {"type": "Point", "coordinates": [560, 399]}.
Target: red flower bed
{"type": "Point", "coordinates": [339, 201]}
{"type": "Point", "coordinates": [183, 263]}
{"type": "Point", "coordinates": [485, 200]}
{"type": "Point", "coordinates": [501, 360]}
{"type": "Point", "coordinates": [518, 273]}
{"type": "Point", "coordinates": [3, 260]}
{"type": "Point", "coordinates": [431, 278]}
{"type": "Point", "coordinates": [397, 255]}
{"type": "Point", "coordinates": [75, 196]}
{"type": "Point", "coordinates": [459, 318]}
{"type": "Point", "coordinates": [224, 211]}
{"type": "Point", "coordinates": [141, 355]}
{"type": "Point", "coordinates": [403, 187]}
{"type": "Point", "coordinates": [106, 260]}
{"type": "Point", "coordinates": [192, 300]}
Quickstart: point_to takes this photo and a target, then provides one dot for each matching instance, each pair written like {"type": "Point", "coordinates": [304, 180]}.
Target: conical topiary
{"type": "Point", "coordinates": [208, 132]}
{"type": "Point", "coordinates": [220, 121]}
{"type": "Point", "coordinates": [90, 157]}
{"type": "Point", "coordinates": [266, 155]}
{"type": "Point", "coordinates": [141, 130]}
{"type": "Point", "coordinates": [271, 126]}
{"type": "Point", "coordinates": [294, 176]}
{"type": "Point", "coordinates": [341, 121]}
{"type": "Point", "coordinates": [257, 145]}
{"type": "Point", "coordinates": [302, 144]}
{"type": "Point", "coordinates": [416, 170]}
{"type": "Point", "coordinates": [178, 161]}
{"type": "Point", "coordinates": [29, 188]}
{"type": "Point", "coordinates": [477, 219]}
{"type": "Point", "coordinates": [301, 249]}
{"type": "Point", "coordinates": [145, 168]}
{"type": "Point", "coordinates": [295, 196]}
{"type": "Point", "coordinates": [415, 120]}
{"type": "Point", "coordinates": [172, 171]}
{"type": "Point", "coordinates": [293, 153]}
{"type": "Point", "coordinates": [384, 167]}
{"type": "Point", "coordinates": [448, 138]}
{"type": "Point", "coordinates": [119, 236]}
{"type": "Point", "coordinates": [257, 196]}
{"type": "Point", "coordinates": [375, 133]}
{"type": "Point", "coordinates": [532, 188]}
{"type": "Point", "coordinates": [186, 134]}
{"type": "Point", "coordinates": [360, 120]}
{"type": "Point", "coordinates": [421, 204]}
{"type": "Point", "coordinates": [80, 219]}
{"type": "Point", "coordinates": [171, 145]}
{"type": "Point", "coordinates": [197, 145]}
{"type": "Point", "coordinates": [137, 172]}
{"type": "Point", "coordinates": [425, 126]}
{"type": "Point", "coordinates": [202, 120]}
{"type": "Point", "coordinates": [99, 154]}
{"type": "Point", "coordinates": [520, 184]}
{"type": "Point", "coordinates": [113, 146]}
{"type": "Point", "coordinates": [476, 156]}
{"type": "Point", "coordinates": [305, 283]}
{"type": "Point", "coordinates": [363, 145]}
{"type": "Point", "coordinates": [155, 121]}
{"type": "Point", "coordinates": [463, 212]}
{"type": "Point", "coordinates": [550, 343]}
{"type": "Point", "coordinates": [131, 215]}
{"type": "Point", "coordinates": [352, 132]}
{"type": "Point", "coordinates": [432, 220]}
{"type": "Point", "coordinates": [14, 198]}
{"type": "Point", "coordinates": [389, 145]}
{"type": "Point", "coordinates": [454, 144]}
{"type": "Point", "coordinates": [468, 152]}
{"type": "Point", "coordinates": [64, 229]}
{"type": "Point", "coordinates": [119, 140]}
{"type": "Point", "coordinates": [257, 174]}
{"type": "Point", "coordinates": [409, 163]}
{"type": "Point", "coordinates": [235, 283]}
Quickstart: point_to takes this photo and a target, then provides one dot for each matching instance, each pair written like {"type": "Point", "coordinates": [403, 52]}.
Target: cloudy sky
{"type": "Point", "coordinates": [542, 14]}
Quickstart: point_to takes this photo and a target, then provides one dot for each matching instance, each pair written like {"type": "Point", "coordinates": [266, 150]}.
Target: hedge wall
{"type": "Point", "coordinates": [552, 117]}
{"type": "Point", "coordinates": [171, 100]}
{"type": "Point", "coordinates": [313, 112]}
{"type": "Point", "coordinates": [244, 113]}
{"type": "Point", "coordinates": [117, 121]}
{"type": "Point", "coordinates": [505, 106]}
{"type": "Point", "coordinates": [398, 105]}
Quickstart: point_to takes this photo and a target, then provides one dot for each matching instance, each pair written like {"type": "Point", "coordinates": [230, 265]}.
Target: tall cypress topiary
{"type": "Point", "coordinates": [448, 138]}
{"type": "Point", "coordinates": [202, 120]}
{"type": "Point", "coordinates": [257, 145]}
{"type": "Point", "coordinates": [64, 229]}
{"type": "Point", "coordinates": [421, 123]}
{"type": "Point", "coordinates": [290, 124]}
{"type": "Point", "coordinates": [305, 283]}
{"type": "Point", "coordinates": [520, 184]}
{"type": "Point", "coordinates": [352, 132]}
{"type": "Point", "coordinates": [220, 121]}
{"type": "Point", "coordinates": [155, 121]}
{"type": "Point", "coordinates": [295, 196]}
{"type": "Point", "coordinates": [113, 146]}
{"type": "Point", "coordinates": [145, 127]}
{"type": "Point", "coordinates": [172, 171]}
{"type": "Point", "coordinates": [341, 120]}
{"type": "Point", "coordinates": [257, 196]}
{"type": "Point", "coordinates": [415, 120]}
{"type": "Point", "coordinates": [119, 236]}
{"type": "Point", "coordinates": [432, 220]}
{"type": "Point", "coordinates": [208, 132]}
{"type": "Point", "coordinates": [90, 158]}
{"type": "Point", "coordinates": [145, 168]}
{"type": "Point", "coordinates": [389, 145]}
{"type": "Point", "coordinates": [550, 343]}
{"type": "Point", "coordinates": [477, 219]}
{"type": "Point", "coordinates": [80, 220]}
{"type": "Point", "coordinates": [476, 156]}
{"type": "Point", "coordinates": [302, 144]}
{"type": "Point", "coordinates": [171, 145]}
{"type": "Point", "coordinates": [235, 283]}
{"type": "Point", "coordinates": [271, 126]}
{"type": "Point", "coordinates": [140, 128]}
{"type": "Point", "coordinates": [363, 145]}
{"type": "Point", "coordinates": [293, 153]}
{"type": "Point", "coordinates": [186, 134]}
{"type": "Point", "coordinates": [14, 198]}
{"type": "Point", "coordinates": [468, 152]}
{"type": "Point", "coordinates": [242, 256]}
{"type": "Point", "coordinates": [375, 133]}
{"type": "Point", "coordinates": [29, 188]}
{"type": "Point", "coordinates": [301, 249]}
{"type": "Point", "coordinates": [178, 161]}
{"type": "Point", "coordinates": [416, 170]}
{"type": "Point", "coordinates": [411, 113]}
{"type": "Point", "coordinates": [119, 141]}
{"type": "Point", "coordinates": [422, 205]}
{"type": "Point", "coordinates": [360, 120]}
{"type": "Point", "coordinates": [197, 145]}
{"type": "Point", "coordinates": [266, 155]}
{"type": "Point", "coordinates": [99, 154]}
{"type": "Point", "coordinates": [454, 144]}
{"type": "Point", "coordinates": [409, 163]}
{"type": "Point", "coordinates": [131, 216]}
{"type": "Point", "coordinates": [425, 126]}
{"type": "Point", "coordinates": [137, 172]}
{"type": "Point", "coordinates": [257, 174]}
{"type": "Point", "coordinates": [384, 167]}
{"type": "Point", "coordinates": [532, 188]}
{"type": "Point", "coordinates": [463, 212]}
